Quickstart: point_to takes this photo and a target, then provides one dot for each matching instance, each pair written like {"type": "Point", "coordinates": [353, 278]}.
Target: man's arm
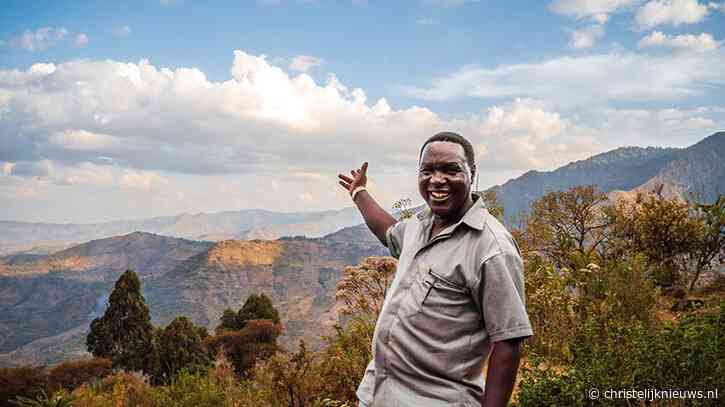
{"type": "Point", "coordinates": [501, 375]}
{"type": "Point", "coordinates": [377, 218]}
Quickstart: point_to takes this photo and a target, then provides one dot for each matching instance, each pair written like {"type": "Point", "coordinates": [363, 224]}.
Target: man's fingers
{"type": "Point", "coordinates": [344, 185]}
{"type": "Point", "coordinates": [345, 178]}
{"type": "Point", "coordinates": [364, 168]}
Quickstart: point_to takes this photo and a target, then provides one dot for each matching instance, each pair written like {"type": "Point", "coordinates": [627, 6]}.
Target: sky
{"type": "Point", "coordinates": [127, 110]}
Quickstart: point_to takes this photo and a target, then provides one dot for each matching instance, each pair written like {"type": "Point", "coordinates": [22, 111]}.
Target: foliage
{"type": "Point", "coordinates": [685, 355]}
{"type": "Point", "coordinates": [124, 333]}
{"type": "Point", "coordinates": [59, 399]}
{"type": "Point", "coordinates": [567, 227]}
{"type": "Point", "coordinates": [120, 390]}
{"type": "Point", "coordinates": [290, 377]}
{"type": "Point", "coordinates": [179, 346]}
{"type": "Point", "coordinates": [27, 381]}
{"type": "Point", "coordinates": [69, 375]}
{"type": "Point", "coordinates": [403, 205]}
{"type": "Point", "coordinates": [257, 340]}
{"type": "Point", "coordinates": [342, 362]}
{"type": "Point", "coordinates": [257, 306]}
{"type": "Point", "coordinates": [493, 205]}
{"type": "Point", "coordinates": [362, 288]}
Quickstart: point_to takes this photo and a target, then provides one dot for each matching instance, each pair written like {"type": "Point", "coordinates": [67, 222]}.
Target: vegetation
{"type": "Point", "coordinates": [124, 333]}
{"type": "Point", "coordinates": [623, 295]}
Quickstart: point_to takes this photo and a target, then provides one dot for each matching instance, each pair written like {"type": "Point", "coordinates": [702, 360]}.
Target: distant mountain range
{"type": "Point", "coordinates": [48, 301]}
{"type": "Point", "coordinates": [698, 169]}
{"type": "Point", "coordinates": [45, 238]}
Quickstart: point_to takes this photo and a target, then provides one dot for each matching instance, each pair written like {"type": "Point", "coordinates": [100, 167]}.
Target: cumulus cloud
{"type": "Point", "coordinates": [673, 12]}
{"type": "Point", "coordinates": [717, 6]}
{"type": "Point", "coordinates": [586, 37]}
{"type": "Point", "coordinates": [597, 10]}
{"type": "Point", "coordinates": [584, 80]}
{"type": "Point", "coordinates": [144, 140]}
{"type": "Point", "coordinates": [303, 63]}
{"type": "Point", "coordinates": [700, 43]}
{"type": "Point", "coordinates": [38, 40]}
{"type": "Point", "coordinates": [81, 40]}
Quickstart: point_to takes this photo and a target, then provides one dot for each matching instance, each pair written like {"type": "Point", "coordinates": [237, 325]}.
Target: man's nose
{"type": "Point", "coordinates": [437, 177]}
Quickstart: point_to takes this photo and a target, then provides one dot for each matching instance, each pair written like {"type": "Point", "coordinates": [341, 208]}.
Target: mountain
{"type": "Point", "coordinates": [50, 295]}
{"type": "Point", "coordinates": [45, 238]}
{"type": "Point", "coordinates": [46, 304]}
{"type": "Point", "coordinates": [695, 169]}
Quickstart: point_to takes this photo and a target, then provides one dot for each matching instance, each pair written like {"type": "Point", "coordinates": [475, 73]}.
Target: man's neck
{"type": "Point", "coordinates": [440, 223]}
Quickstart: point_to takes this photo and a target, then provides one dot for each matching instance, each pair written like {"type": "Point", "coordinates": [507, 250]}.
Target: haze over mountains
{"type": "Point", "coordinates": [48, 301]}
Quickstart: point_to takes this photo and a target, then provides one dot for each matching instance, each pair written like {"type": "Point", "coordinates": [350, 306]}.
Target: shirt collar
{"type": "Point", "coordinates": [475, 217]}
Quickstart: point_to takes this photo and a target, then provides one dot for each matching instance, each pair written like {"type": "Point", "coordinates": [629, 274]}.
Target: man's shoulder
{"type": "Point", "coordinates": [495, 239]}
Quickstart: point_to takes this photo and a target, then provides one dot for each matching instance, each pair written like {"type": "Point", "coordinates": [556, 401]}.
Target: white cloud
{"type": "Point", "coordinates": [40, 39]}
{"type": "Point", "coordinates": [269, 2]}
{"type": "Point", "coordinates": [674, 12]}
{"type": "Point", "coordinates": [700, 43]}
{"type": "Point", "coordinates": [123, 31]}
{"type": "Point", "coordinates": [586, 37]}
{"type": "Point", "coordinates": [144, 180]}
{"type": "Point", "coordinates": [717, 6]}
{"type": "Point", "coordinates": [82, 140]}
{"type": "Point", "coordinates": [303, 63]}
{"type": "Point", "coordinates": [143, 140]}
{"type": "Point", "coordinates": [597, 10]}
{"type": "Point", "coordinates": [585, 80]}
{"type": "Point", "coordinates": [81, 40]}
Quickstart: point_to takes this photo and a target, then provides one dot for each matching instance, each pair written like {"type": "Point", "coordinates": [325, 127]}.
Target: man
{"type": "Point", "coordinates": [457, 296]}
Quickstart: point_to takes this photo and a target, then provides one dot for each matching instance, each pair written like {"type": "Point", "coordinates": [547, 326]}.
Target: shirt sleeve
{"type": "Point", "coordinates": [501, 297]}
{"type": "Point", "coordinates": [365, 389]}
{"type": "Point", "coordinates": [394, 238]}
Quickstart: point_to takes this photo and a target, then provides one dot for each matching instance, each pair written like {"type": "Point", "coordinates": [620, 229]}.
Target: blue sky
{"type": "Point", "coordinates": [145, 106]}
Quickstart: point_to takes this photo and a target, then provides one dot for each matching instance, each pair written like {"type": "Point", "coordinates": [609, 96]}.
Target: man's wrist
{"type": "Point", "coordinates": [356, 191]}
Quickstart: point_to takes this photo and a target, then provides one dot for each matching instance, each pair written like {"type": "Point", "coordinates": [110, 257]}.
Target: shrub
{"type": "Point", "coordinates": [21, 381]}
{"type": "Point", "coordinates": [69, 375]}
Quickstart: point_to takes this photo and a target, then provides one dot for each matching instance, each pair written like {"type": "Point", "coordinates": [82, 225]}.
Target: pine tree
{"type": "Point", "coordinates": [124, 333]}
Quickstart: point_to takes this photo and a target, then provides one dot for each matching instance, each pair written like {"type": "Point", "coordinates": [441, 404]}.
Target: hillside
{"type": "Point", "coordinates": [698, 168]}
{"type": "Point", "coordinates": [47, 305]}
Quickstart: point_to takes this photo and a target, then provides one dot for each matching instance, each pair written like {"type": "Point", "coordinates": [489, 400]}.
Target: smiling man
{"type": "Point", "coordinates": [458, 293]}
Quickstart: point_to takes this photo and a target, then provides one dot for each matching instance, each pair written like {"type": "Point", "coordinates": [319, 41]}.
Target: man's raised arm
{"type": "Point", "coordinates": [377, 218]}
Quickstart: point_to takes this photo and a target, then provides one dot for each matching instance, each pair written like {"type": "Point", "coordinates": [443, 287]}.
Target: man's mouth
{"type": "Point", "coordinates": [439, 195]}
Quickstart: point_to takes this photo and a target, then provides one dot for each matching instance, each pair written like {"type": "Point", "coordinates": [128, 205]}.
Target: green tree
{"type": "Point", "coordinates": [179, 346]}
{"type": "Point", "coordinates": [257, 340]}
{"type": "Point", "coordinates": [257, 306]}
{"type": "Point", "coordinates": [124, 332]}
{"type": "Point", "coordinates": [568, 228]}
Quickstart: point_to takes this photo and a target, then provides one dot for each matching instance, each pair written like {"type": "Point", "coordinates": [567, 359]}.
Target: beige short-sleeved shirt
{"type": "Point", "coordinates": [452, 297]}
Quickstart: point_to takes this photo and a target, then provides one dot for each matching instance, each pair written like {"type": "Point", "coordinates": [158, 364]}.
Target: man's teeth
{"type": "Point", "coordinates": [439, 194]}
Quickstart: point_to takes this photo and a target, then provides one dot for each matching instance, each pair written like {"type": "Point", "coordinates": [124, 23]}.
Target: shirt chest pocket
{"type": "Point", "coordinates": [435, 296]}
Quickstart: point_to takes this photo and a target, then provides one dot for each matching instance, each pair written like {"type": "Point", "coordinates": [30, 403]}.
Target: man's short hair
{"type": "Point", "coordinates": [453, 138]}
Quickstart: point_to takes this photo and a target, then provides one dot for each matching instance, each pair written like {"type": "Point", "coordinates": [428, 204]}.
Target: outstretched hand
{"type": "Point", "coordinates": [358, 178]}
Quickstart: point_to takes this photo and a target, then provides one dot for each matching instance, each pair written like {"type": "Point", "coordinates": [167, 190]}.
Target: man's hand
{"type": "Point", "coordinates": [377, 219]}
{"type": "Point", "coordinates": [359, 178]}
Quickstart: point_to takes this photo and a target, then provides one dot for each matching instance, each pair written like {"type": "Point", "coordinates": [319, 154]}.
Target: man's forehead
{"type": "Point", "coordinates": [443, 151]}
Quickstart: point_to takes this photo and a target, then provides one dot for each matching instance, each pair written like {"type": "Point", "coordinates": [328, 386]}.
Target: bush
{"type": "Point", "coordinates": [69, 375]}
{"type": "Point", "coordinates": [122, 389]}
{"type": "Point", "coordinates": [685, 355]}
{"type": "Point", "coordinates": [21, 381]}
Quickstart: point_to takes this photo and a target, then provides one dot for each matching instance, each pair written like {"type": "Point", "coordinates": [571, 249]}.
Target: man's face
{"type": "Point", "coordinates": [444, 178]}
